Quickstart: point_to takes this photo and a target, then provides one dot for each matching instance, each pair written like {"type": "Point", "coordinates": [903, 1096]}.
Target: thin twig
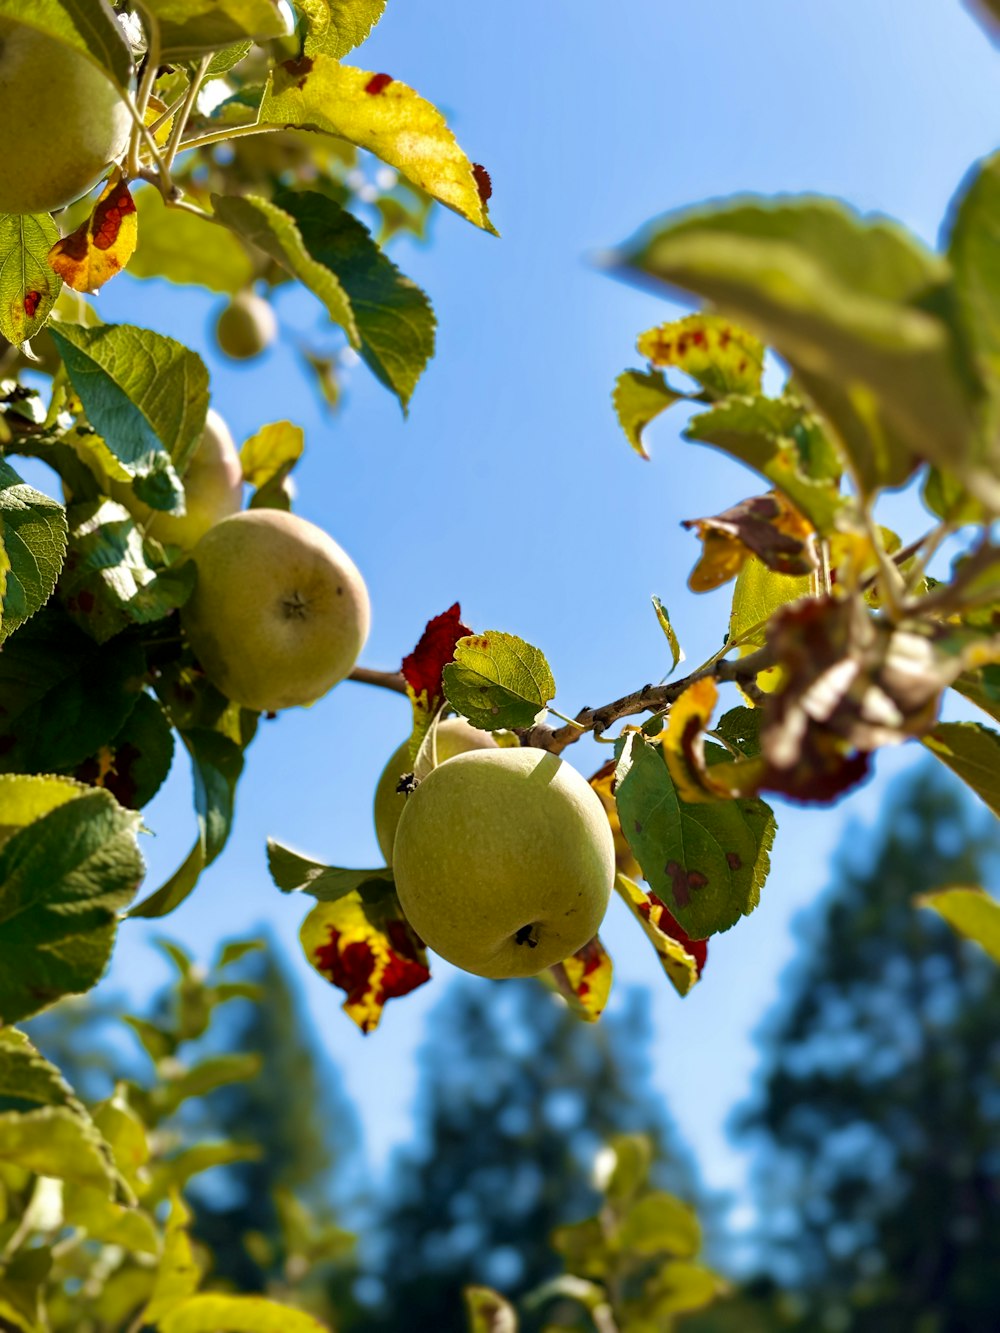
{"type": "Point", "coordinates": [387, 680]}
{"type": "Point", "coordinates": [221, 136]}
{"type": "Point", "coordinates": [149, 73]}
{"type": "Point", "coordinates": [179, 125]}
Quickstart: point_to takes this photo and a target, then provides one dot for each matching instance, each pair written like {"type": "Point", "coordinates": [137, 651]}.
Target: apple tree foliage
{"type": "Point", "coordinates": [833, 354]}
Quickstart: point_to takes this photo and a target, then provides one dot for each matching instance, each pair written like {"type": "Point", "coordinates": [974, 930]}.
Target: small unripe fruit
{"type": "Point", "coordinates": [279, 613]}
{"type": "Point", "coordinates": [454, 736]}
{"type": "Point", "coordinates": [504, 861]}
{"type": "Point", "coordinates": [213, 490]}
{"type": "Point", "coordinates": [246, 327]}
{"type": "Point", "coordinates": [63, 121]}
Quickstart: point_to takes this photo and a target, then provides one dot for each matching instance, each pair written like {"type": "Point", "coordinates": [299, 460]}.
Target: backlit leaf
{"type": "Point", "coordinates": [972, 912]}
{"type": "Point", "coordinates": [102, 244]}
{"type": "Point", "coordinates": [377, 112]}
{"type": "Point", "coordinates": [663, 618]}
{"type": "Point", "coordinates": [187, 249]}
{"type": "Point", "coordinates": [28, 287]}
{"type": "Point", "coordinates": [498, 681]}
{"type": "Point", "coordinates": [639, 396]}
{"type": "Point", "coordinates": [192, 27]}
{"type": "Point", "coordinates": [334, 27]}
{"type": "Point", "coordinates": [365, 946]}
{"type": "Point", "coordinates": [584, 980]}
{"type": "Point", "coordinates": [32, 547]}
{"type": "Point", "coordinates": [179, 1273]}
{"type": "Point", "coordinates": [271, 453]}
{"type": "Point", "coordinates": [716, 353]}
{"type": "Point", "coordinates": [972, 752]}
{"type": "Point", "coordinates": [54, 1141]}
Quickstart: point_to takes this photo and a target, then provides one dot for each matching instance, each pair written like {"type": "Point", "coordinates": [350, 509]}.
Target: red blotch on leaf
{"type": "Point", "coordinates": [483, 183]}
{"type": "Point", "coordinates": [108, 216]}
{"type": "Point", "coordinates": [378, 84]}
{"type": "Point", "coordinates": [349, 968]}
{"type": "Point", "coordinates": [668, 923]}
{"type": "Point", "coordinates": [423, 667]}
{"type": "Point", "coordinates": [31, 300]}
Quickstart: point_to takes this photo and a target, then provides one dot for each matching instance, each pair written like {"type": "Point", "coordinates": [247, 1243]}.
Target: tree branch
{"type": "Point", "coordinates": [387, 680]}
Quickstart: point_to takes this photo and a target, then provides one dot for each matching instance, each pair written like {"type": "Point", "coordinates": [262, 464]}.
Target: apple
{"type": "Point", "coordinates": [245, 327]}
{"type": "Point", "coordinates": [279, 613]}
{"type": "Point", "coordinates": [504, 861]}
{"type": "Point", "coordinates": [213, 489]}
{"type": "Point", "coordinates": [63, 121]}
{"type": "Point", "coordinates": [454, 736]}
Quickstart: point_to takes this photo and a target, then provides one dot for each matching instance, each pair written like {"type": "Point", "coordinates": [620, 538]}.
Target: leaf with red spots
{"type": "Point", "coordinates": [363, 944]}
{"type": "Point", "coordinates": [682, 958]}
{"type": "Point", "coordinates": [135, 763]}
{"type": "Point", "coordinates": [717, 354]}
{"type": "Point", "coordinates": [28, 286]}
{"type": "Point", "coordinates": [584, 980]}
{"type": "Point", "coordinates": [387, 118]}
{"type": "Point", "coordinates": [706, 862]}
{"type": "Point", "coordinates": [498, 681]}
{"type": "Point", "coordinates": [766, 526]}
{"type": "Point", "coordinates": [102, 245]}
{"type": "Point", "coordinates": [422, 669]}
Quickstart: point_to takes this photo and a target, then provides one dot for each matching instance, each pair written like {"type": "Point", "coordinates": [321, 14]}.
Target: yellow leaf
{"type": "Point", "coordinates": [584, 980]}
{"type": "Point", "coordinates": [101, 246]}
{"type": "Point", "coordinates": [680, 957]}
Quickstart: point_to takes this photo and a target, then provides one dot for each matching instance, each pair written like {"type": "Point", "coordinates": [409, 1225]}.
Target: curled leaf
{"type": "Point", "coordinates": [102, 245]}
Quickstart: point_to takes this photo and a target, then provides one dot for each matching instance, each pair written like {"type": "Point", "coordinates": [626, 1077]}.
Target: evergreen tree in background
{"type": "Point", "coordinates": [880, 1105]}
{"type": "Point", "coordinates": [516, 1098]}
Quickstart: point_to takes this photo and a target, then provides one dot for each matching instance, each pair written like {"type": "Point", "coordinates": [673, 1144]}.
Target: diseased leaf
{"type": "Point", "coordinates": [584, 980]}
{"type": "Point", "coordinates": [377, 112]}
{"type": "Point", "coordinates": [293, 873]}
{"type": "Point", "coordinates": [187, 249]}
{"type": "Point", "coordinates": [32, 547]}
{"type": "Point", "coordinates": [766, 526]}
{"type": "Point", "coordinates": [135, 762]}
{"type": "Point", "coordinates": [639, 396]}
{"type": "Point", "coordinates": [972, 912]}
{"type": "Point", "coordinates": [603, 783]}
{"type": "Point", "coordinates": [972, 752]}
{"type": "Point", "coordinates": [28, 287]}
{"type": "Point", "coordinates": [64, 879]}
{"type": "Point", "coordinates": [363, 944]}
{"type": "Point", "coordinates": [334, 27]}
{"type": "Point", "coordinates": [498, 681]}
{"type": "Point", "coordinates": [102, 244]}
{"type": "Point", "coordinates": [55, 1141]}
{"type": "Point", "coordinates": [275, 231]}
{"type": "Point", "coordinates": [394, 318]}
{"type": "Point", "coordinates": [663, 619]}
{"type": "Point", "coordinates": [717, 354]}
{"type": "Point", "coordinates": [707, 862]}
{"type": "Point", "coordinates": [681, 958]}
{"type": "Point", "coordinates": [145, 394]}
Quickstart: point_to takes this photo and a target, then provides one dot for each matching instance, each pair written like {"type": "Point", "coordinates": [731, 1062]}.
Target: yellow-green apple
{"type": "Point", "coordinates": [246, 326]}
{"type": "Point", "coordinates": [454, 736]}
{"type": "Point", "coordinates": [279, 613]}
{"type": "Point", "coordinates": [63, 121]}
{"type": "Point", "coordinates": [504, 861]}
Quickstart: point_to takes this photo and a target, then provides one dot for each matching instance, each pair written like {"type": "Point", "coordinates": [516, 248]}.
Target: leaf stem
{"type": "Point", "coordinates": [190, 97]}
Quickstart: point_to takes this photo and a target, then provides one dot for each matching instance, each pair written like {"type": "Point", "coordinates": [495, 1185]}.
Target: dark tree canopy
{"type": "Point", "coordinates": [879, 1111]}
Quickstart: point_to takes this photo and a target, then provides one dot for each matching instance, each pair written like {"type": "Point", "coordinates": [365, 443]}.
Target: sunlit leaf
{"type": "Point", "coordinates": [639, 397]}
{"type": "Point", "coordinates": [32, 547]}
{"type": "Point", "coordinates": [28, 286]}
{"type": "Point", "coordinates": [187, 249]}
{"type": "Point", "coordinates": [334, 27]}
{"type": "Point", "coordinates": [765, 526]}
{"type": "Point", "coordinates": [659, 1223]}
{"type": "Point", "coordinates": [681, 958]}
{"type": "Point", "coordinates": [972, 912]}
{"type": "Point", "coordinates": [584, 980]}
{"type": "Point", "coordinates": [720, 356]}
{"type": "Point", "coordinates": [102, 245]}
{"type": "Point", "coordinates": [192, 27]}
{"type": "Point", "coordinates": [237, 1314]}
{"type": "Point", "coordinates": [663, 619]}
{"type": "Point", "coordinates": [972, 752]}
{"type": "Point", "coordinates": [498, 681]}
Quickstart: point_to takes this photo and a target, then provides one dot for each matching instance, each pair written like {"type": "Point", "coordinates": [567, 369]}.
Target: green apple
{"type": "Point", "coordinates": [504, 861]}
{"type": "Point", "coordinates": [454, 736]}
{"type": "Point", "coordinates": [245, 327]}
{"type": "Point", "coordinates": [213, 489]}
{"type": "Point", "coordinates": [63, 121]}
{"type": "Point", "coordinates": [279, 613]}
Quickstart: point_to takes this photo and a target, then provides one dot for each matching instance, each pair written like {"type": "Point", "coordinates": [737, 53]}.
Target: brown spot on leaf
{"type": "Point", "coordinates": [31, 300]}
{"type": "Point", "coordinates": [733, 860]}
{"type": "Point", "coordinates": [483, 183]}
{"type": "Point", "coordinates": [684, 881]}
{"type": "Point", "coordinates": [299, 69]}
{"type": "Point", "coordinates": [378, 84]}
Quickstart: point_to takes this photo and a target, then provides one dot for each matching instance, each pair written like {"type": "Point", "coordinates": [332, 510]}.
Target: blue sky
{"type": "Point", "coordinates": [510, 488]}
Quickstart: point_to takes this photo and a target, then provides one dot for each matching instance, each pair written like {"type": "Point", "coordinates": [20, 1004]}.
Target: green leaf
{"type": "Point", "coordinates": [193, 27]}
{"type": "Point", "coordinates": [26, 798]}
{"type": "Point", "coordinates": [785, 444]}
{"type": "Point", "coordinates": [28, 284]}
{"type": "Point", "coordinates": [110, 1223]}
{"type": "Point", "coordinates": [663, 619]}
{"type": "Point", "coordinates": [146, 394]}
{"type": "Point", "coordinates": [88, 28]}
{"type": "Point", "coordinates": [659, 1223]}
{"type": "Point", "coordinates": [856, 305]}
{"type": "Point", "coordinates": [29, 1080]}
{"type": "Point", "coordinates": [384, 116]}
{"type": "Point", "coordinates": [64, 879]}
{"type": "Point", "coordinates": [268, 458]}
{"type": "Point", "coordinates": [498, 681]}
{"type": "Point", "coordinates": [32, 547]}
{"type": "Point", "coordinates": [973, 752]}
{"type": "Point", "coordinates": [679, 1288]}
{"type": "Point", "coordinates": [238, 1314]}
{"type": "Point", "coordinates": [720, 357]}
{"type": "Point", "coordinates": [178, 1276]}
{"type": "Point", "coordinates": [757, 594]}
{"type": "Point", "coordinates": [217, 762]}
{"type": "Point", "coordinates": [639, 396]}
{"type": "Point", "coordinates": [175, 1172]}
{"type": "Point", "coordinates": [982, 688]}
{"type": "Point", "coordinates": [488, 1312]}
{"type": "Point", "coordinates": [64, 696]}
{"type": "Point", "coordinates": [334, 27]}
{"type": "Point", "coordinates": [632, 1155]}
{"type": "Point", "coordinates": [394, 318]}
{"type": "Point", "coordinates": [135, 762]}
{"type": "Point", "coordinates": [293, 873]}
{"type": "Point", "coordinates": [108, 583]}
{"type": "Point", "coordinates": [706, 862]}
{"type": "Point", "coordinates": [55, 1141]}
{"type": "Point", "coordinates": [972, 912]}
{"type": "Point", "coordinates": [217, 1071]}
{"type": "Point", "coordinates": [274, 231]}
{"type": "Point", "coordinates": [187, 249]}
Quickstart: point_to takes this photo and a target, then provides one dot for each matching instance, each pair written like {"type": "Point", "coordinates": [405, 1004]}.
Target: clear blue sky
{"type": "Point", "coordinates": [510, 487]}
